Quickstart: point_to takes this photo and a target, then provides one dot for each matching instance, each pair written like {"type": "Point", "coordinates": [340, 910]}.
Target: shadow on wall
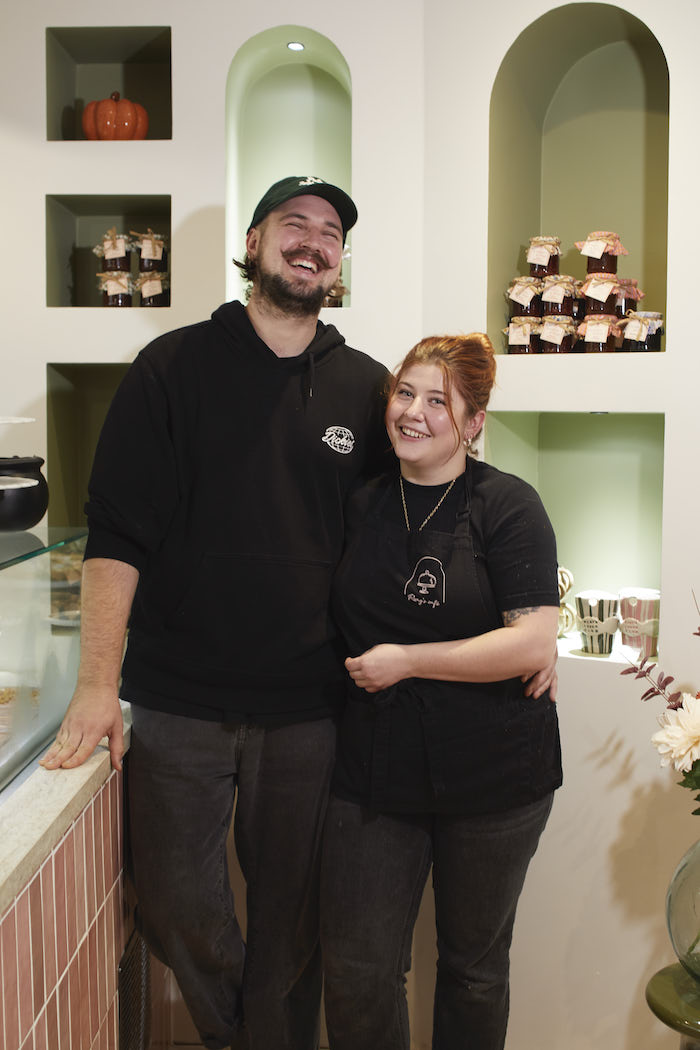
{"type": "Point", "coordinates": [198, 270]}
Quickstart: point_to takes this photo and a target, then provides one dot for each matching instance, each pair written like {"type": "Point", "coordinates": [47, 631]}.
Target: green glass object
{"type": "Point", "coordinates": [683, 911]}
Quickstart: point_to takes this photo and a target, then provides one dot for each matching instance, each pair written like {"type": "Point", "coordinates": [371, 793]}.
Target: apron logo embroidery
{"type": "Point", "coordinates": [427, 583]}
{"type": "Point", "coordinates": [340, 439]}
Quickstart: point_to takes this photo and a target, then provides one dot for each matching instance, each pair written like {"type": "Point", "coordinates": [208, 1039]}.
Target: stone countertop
{"type": "Point", "coordinates": [35, 816]}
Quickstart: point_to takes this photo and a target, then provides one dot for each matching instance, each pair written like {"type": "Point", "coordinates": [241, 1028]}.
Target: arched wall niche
{"type": "Point", "coordinates": [287, 113]}
{"type": "Point", "coordinates": [579, 142]}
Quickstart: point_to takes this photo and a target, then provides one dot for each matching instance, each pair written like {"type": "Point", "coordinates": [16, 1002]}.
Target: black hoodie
{"type": "Point", "coordinates": [221, 474]}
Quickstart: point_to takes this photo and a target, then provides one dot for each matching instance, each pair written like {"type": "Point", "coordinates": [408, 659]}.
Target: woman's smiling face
{"type": "Point", "coordinates": [428, 443]}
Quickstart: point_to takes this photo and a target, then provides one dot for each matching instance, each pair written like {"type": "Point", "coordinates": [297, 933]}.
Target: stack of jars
{"type": "Point", "coordinates": [609, 299]}
{"type": "Point", "coordinates": [551, 313]}
{"type": "Point", "coordinates": [541, 305]}
{"type": "Point", "coordinates": [152, 282]}
{"type": "Point", "coordinates": [115, 279]}
{"type": "Point", "coordinates": [642, 329]}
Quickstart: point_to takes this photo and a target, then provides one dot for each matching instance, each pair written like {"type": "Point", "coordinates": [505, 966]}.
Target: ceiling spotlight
{"type": "Point", "coordinates": [295, 45]}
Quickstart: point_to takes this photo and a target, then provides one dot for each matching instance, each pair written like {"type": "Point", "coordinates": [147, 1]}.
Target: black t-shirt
{"type": "Point", "coordinates": [430, 745]}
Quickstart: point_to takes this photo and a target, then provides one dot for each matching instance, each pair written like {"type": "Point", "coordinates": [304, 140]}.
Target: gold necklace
{"type": "Point", "coordinates": [436, 507]}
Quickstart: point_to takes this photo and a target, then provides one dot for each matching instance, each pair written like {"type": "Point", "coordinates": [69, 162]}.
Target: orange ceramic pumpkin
{"type": "Point", "coordinates": [115, 118]}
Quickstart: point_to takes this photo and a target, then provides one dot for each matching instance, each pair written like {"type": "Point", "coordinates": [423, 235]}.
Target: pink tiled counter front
{"type": "Point", "coordinates": [65, 914]}
{"type": "Point", "coordinates": [62, 938]}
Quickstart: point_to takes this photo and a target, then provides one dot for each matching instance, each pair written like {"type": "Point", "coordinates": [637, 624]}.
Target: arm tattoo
{"type": "Point", "coordinates": [510, 617]}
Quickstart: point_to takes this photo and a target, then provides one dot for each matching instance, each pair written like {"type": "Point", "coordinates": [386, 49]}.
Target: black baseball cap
{"type": "Point", "coordinates": [300, 186]}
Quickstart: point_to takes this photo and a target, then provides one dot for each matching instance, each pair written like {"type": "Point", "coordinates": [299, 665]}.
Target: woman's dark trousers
{"type": "Point", "coordinates": [373, 874]}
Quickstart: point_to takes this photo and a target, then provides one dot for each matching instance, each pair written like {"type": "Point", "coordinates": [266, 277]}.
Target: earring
{"type": "Point", "coordinates": [468, 444]}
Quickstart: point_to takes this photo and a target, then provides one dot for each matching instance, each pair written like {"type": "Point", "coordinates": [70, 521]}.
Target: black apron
{"type": "Point", "coordinates": [426, 745]}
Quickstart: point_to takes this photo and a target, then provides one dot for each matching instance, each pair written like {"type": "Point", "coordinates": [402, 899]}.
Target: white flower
{"type": "Point", "coordinates": [678, 740]}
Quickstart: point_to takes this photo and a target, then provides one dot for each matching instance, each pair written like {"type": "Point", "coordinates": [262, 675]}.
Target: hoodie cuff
{"type": "Point", "coordinates": [101, 543]}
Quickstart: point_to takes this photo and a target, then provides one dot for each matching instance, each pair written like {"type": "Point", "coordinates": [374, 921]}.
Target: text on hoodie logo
{"type": "Point", "coordinates": [340, 439]}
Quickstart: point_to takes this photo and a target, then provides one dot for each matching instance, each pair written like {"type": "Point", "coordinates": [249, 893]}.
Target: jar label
{"type": "Point", "coordinates": [594, 249]}
{"type": "Point", "coordinates": [522, 294]}
{"type": "Point", "coordinates": [115, 249]}
{"type": "Point", "coordinates": [637, 331]}
{"type": "Point", "coordinates": [151, 248]}
{"type": "Point", "coordinates": [552, 333]}
{"type": "Point", "coordinates": [538, 255]}
{"type": "Point", "coordinates": [600, 290]}
{"type": "Point", "coordinates": [518, 334]}
{"type": "Point", "coordinates": [553, 294]}
{"type": "Point", "coordinates": [152, 287]}
{"type": "Point", "coordinates": [596, 332]}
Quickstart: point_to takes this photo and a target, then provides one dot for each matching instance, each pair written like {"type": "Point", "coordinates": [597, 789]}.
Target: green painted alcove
{"type": "Point", "coordinates": [77, 399]}
{"type": "Point", "coordinates": [287, 113]}
{"type": "Point", "coordinates": [600, 476]}
{"type": "Point", "coordinates": [579, 142]}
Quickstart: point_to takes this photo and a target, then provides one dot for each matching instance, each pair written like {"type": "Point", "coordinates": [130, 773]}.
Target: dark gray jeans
{"type": "Point", "coordinates": [373, 873]}
{"type": "Point", "coordinates": [183, 775]}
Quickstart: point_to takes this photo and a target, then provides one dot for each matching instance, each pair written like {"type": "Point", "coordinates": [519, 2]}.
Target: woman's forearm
{"type": "Point", "coordinates": [522, 648]}
{"type": "Point", "coordinates": [519, 649]}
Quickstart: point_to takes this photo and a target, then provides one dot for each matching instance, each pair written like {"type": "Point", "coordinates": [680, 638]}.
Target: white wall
{"type": "Point", "coordinates": [591, 928]}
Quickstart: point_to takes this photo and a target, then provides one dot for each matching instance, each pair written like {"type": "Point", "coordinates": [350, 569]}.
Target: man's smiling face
{"type": "Point", "coordinates": [298, 254]}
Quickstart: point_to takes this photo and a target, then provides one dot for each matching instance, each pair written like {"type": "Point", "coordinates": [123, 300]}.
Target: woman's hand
{"type": "Point", "coordinates": [547, 678]}
{"type": "Point", "coordinates": [379, 667]}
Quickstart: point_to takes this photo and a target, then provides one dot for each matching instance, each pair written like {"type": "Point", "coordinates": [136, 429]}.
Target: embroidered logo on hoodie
{"type": "Point", "coordinates": [340, 439]}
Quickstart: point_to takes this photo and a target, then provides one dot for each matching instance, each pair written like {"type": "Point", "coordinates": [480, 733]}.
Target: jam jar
{"type": "Point", "coordinates": [557, 335]}
{"type": "Point", "coordinates": [115, 252]}
{"type": "Point", "coordinates": [579, 304]}
{"type": "Point", "coordinates": [643, 331]}
{"type": "Point", "coordinates": [543, 255]}
{"type": "Point", "coordinates": [524, 297]}
{"type": "Point", "coordinates": [558, 294]}
{"type": "Point", "coordinates": [628, 296]}
{"type": "Point", "coordinates": [599, 285]}
{"type": "Point", "coordinates": [523, 335]}
{"type": "Point", "coordinates": [601, 248]}
{"type": "Point", "coordinates": [153, 255]}
{"type": "Point", "coordinates": [599, 332]}
{"type": "Point", "coordinates": [154, 289]}
{"type": "Point", "coordinates": [117, 288]}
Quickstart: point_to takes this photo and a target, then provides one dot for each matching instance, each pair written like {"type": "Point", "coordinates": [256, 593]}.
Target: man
{"type": "Point", "coordinates": [215, 518]}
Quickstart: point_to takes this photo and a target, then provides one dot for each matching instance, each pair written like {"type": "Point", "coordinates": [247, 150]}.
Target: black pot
{"type": "Point", "coordinates": [22, 508]}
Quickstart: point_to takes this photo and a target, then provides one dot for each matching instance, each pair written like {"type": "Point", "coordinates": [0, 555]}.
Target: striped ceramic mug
{"type": "Point", "coordinates": [639, 612]}
{"type": "Point", "coordinates": [596, 620]}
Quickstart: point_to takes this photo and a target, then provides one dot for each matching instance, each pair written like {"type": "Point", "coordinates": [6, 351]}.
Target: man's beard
{"type": "Point", "coordinates": [295, 300]}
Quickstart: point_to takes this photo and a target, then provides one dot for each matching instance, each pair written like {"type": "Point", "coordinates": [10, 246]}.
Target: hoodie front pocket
{"type": "Point", "coordinates": [251, 611]}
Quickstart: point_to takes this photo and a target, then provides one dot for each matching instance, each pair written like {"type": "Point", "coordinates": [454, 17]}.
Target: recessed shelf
{"type": "Point", "coordinates": [90, 62]}
{"type": "Point", "coordinates": [77, 399]}
{"type": "Point", "coordinates": [285, 112]}
{"type": "Point", "coordinates": [579, 142]}
{"type": "Point", "coordinates": [600, 477]}
{"type": "Point", "coordinates": [76, 223]}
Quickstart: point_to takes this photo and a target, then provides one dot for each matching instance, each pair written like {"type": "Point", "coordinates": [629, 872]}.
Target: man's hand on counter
{"type": "Point", "coordinates": [93, 713]}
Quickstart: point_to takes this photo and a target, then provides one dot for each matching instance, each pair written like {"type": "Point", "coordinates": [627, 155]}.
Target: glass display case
{"type": "Point", "coordinates": [39, 638]}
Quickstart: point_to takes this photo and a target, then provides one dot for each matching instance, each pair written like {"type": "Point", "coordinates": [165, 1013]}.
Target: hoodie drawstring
{"type": "Point", "coordinates": [311, 371]}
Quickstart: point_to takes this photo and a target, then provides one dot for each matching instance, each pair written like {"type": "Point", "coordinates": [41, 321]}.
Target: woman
{"type": "Point", "coordinates": [447, 597]}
